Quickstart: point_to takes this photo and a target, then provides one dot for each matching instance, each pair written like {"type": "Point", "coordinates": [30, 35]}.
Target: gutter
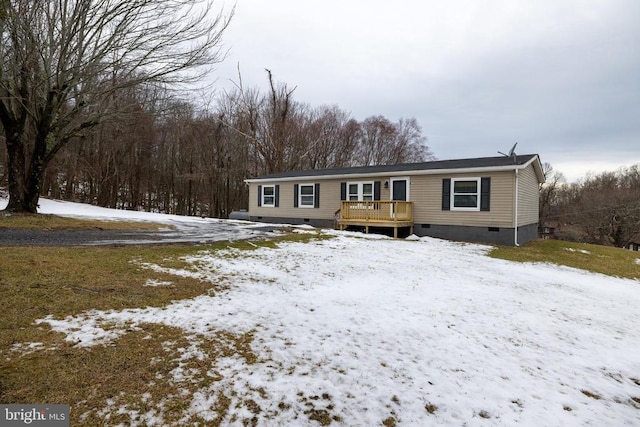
{"type": "Point", "coordinates": [515, 210]}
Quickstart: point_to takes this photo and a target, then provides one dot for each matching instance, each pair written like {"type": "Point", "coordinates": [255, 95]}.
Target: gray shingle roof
{"type": "Point", "coordinates": [481, 162]}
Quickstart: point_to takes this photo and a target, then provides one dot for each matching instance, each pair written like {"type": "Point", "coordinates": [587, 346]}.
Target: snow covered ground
{"type": "Point", "coordinates": [425, 332]}
{"type": "Point", "coordinates": [179, 228]}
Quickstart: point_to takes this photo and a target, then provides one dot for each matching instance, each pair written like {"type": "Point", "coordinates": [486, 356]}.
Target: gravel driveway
{"type": "Point", "coordinates": [183, 233]}
{"type": "Point", "coordinates": [179, 229]}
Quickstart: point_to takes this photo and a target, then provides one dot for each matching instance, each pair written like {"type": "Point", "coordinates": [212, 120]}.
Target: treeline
{"type": "Point", "coordinates": [602, 209]}
{"type": "Point", "coordinates": [163, 155]}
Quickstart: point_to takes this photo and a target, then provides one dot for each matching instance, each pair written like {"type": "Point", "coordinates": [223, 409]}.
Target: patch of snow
{"type": "Point", "coordinates": [366, 328]}
{"type": "Point", "coordinates": [582, 251]}
{"type": "Point", "coordinates": [180, 228]}
{"type": "Point", "coordinates": [173, 271]}
{"type": "Point", "coordinates": [83, 210]}
{"type": "Point", "coordinates": [154, 282]}
{"type": "Point", "coordinates": [27, 347]}
{"type": "Point", "coordinates": [638, 261]}
{"type": "Point", "coordinates": [304, 229]}
{"type": "Point", "coordinates": [94, 330]}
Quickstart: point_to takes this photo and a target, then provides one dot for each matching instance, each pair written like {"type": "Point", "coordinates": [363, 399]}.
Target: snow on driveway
{"type": "Point", "coordinates": [180, 228]}
{"type": "Point", "coordinates": [421, 332]}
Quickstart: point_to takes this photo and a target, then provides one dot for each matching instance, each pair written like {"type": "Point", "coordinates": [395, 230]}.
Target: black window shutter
{"type": "Point", "coordinates": [376, 190]}
{"type": "Point", "coordinates": [277, 196]}
{"type": "Point", "coordinates": [259, 195]}
{"type": "Point", "coordinates": [343, 191]}
{"type": "Point", "coordinates": [295, 195]}
{"type": "Point", "coordinates": [485, 193]}
{"type": "Point", "coordinates": [446, 194]}
{"type": "Point", "coordinates": [316, 195]}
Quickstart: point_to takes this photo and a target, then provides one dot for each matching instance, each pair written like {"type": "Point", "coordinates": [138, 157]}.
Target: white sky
{"type": "Point", "coordinates": [561, 77]}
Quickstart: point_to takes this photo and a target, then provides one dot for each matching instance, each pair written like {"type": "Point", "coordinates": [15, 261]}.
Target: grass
{"type": "Point", "coordinates": [54, 222]}
{"type": "Point", "coordinates": [595, 258]}
{"type": "Point", "coordinates": [131, 375]}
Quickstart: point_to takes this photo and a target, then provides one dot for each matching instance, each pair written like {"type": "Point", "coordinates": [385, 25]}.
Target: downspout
{"type": "Point", "coordinates": [516, 213]}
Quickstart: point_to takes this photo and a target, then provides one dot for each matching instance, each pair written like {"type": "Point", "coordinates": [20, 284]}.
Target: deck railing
{"type": "Point", "coordinates": [376, 211]}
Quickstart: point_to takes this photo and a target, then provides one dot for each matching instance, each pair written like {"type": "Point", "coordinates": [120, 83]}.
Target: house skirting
{"type": "Point", "coordinates": [496, 235]}
{"type": "Point", "coordinates": [319, 223]}
{"type": "Point", "coordinates": [493, 235]}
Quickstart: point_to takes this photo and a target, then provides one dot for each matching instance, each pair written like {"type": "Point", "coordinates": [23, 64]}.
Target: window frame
{"type": "Point", "coordinates": [264, 196]}
{"type": "Point", "coordinates": [312, 195]}
{"type": "Point", "coordinates": [453, 194]}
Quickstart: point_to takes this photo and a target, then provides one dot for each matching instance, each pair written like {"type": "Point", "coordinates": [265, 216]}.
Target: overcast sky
{"type": "Point", "coordinates": [560, 77]}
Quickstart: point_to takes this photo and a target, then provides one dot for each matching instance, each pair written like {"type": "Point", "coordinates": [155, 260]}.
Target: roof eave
{"type": "Point", "coordinates": [535, 160]}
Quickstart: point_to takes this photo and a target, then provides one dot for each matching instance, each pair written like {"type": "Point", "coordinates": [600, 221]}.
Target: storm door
{"type": "Point", "coordinates": [399, 192]}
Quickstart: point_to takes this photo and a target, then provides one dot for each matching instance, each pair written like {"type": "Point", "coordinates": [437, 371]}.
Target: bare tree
{"type": "Point", "coordinates": [63, 61]}
{"type": "Point", "coordinates": [608, 208]}
{"type": "Point", "coordinates": [329, 142]}
{"type": "Point", "coordinates": [277, 118]}
{"type": "Point", "coordinates": [384, 142]}
{"type": "Point", "coordinates": [170, 155]}
{"type": "Point", "coordinates": [602, 209]}
{"type": "Point", "coordinates": [410, 146]}
{"type": "Point", "coordinates": [271, 123]}
{"type": "Point", "coordinates": [549, 192]}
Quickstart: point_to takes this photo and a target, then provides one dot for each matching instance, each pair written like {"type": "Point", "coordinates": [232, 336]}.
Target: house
{"type": "Point", "coordinates": [490, 199]}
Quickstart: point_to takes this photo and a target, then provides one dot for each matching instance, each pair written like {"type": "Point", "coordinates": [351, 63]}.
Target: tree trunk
{"type": "Point", "coordinates": [24, 186]}
{"type": "Point", "coordinates": [34, 184]}
{"type": "Point", "coordinates": [24, 192]}
{"type": "Point", "coordinates": [16, 166]}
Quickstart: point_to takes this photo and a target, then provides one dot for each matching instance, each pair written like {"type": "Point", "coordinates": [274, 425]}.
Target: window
{"type": "Point", "coordinates": [465, 194]}
{"type": "Point", "coordinates": [269, 196]}
{"type": "Point", "coordinates": [360, 191]}
{"type": "Point", "coordinates": [353, 192]}
{"type": "Point", "coordinates": [367, 191]}
{"type": "Point", "coordinates": [307, 197]}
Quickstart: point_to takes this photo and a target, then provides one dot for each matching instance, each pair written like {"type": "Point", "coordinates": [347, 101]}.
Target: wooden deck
{"type": "Point", "coordinates": [393, 214]}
